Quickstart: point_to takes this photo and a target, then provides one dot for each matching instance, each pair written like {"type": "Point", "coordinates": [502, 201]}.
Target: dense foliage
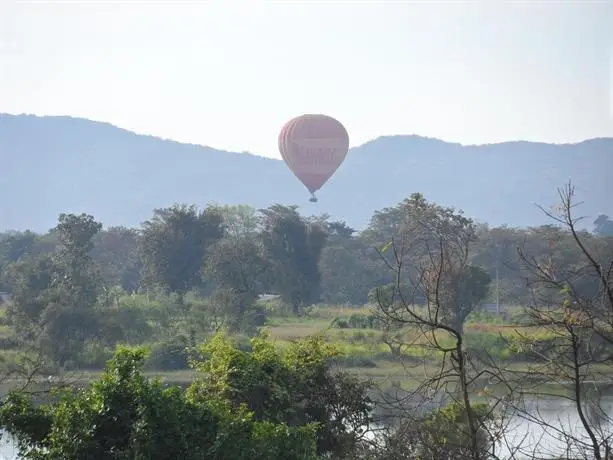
{"type": "Point", "coordinates": [80, 289]}
{"type": "Point", "coordinates": [194, 288]}
{"type": "Point", "coordinates": [124, 416]}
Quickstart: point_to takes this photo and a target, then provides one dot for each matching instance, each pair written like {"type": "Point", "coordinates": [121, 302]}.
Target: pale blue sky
{"type": "Point", "coordinates": [228, 74]}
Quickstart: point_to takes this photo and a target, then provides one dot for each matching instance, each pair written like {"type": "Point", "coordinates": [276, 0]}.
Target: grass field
{"type": "Point", "coordinates": [363, 349]}
{"type": "Point", "coordinates": [366, 354]}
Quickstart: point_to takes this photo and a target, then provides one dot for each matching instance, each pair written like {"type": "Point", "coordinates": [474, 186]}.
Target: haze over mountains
{"type": "Point", "coordinates": [51, 165]}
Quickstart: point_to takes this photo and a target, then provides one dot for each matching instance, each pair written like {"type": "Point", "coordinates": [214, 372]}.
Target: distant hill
{"type": "Point", "coordinates": [62, 164]}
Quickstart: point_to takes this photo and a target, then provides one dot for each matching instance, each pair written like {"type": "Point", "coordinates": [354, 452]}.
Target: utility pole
{"type": "Point", "coordinates": [497, 279]}
{"type": "Point", "coordinates": [497, 290]}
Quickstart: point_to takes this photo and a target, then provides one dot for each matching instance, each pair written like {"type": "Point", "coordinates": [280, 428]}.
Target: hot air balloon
{"type": "Point", "coordinates": [313, 146]}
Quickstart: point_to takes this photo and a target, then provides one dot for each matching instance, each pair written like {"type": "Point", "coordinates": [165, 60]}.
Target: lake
{"type": "Point", "coordinates": [8, 450]}
{"type": "Point", "coordinates": [559, 414]}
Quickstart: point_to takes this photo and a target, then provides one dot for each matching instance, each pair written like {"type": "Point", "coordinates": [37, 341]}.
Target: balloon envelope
{"type": "Point", "coordinates": [313, 147]}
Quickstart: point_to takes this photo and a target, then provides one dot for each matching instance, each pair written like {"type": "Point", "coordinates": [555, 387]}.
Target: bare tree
{"type": "Point", "coordinates": [573, 312]}
{"type": "Point", "coordinates": [435, 289]}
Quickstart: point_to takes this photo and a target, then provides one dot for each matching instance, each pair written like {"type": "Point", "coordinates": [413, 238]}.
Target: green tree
{"type": "Point", "coordinates": [77, 272]}
{"type": "Point", "coordinates": [294, 387]}
{"type": "Point", "coordinates": [429, 253]}
{"type": "Point", "coordinates": [403, 235]}
{"type": "Point", "coordinates": [460, 292]}
{"type": "Point", "coordinates": [347, 272]}
{"type": "Point", "coordinates": [71, 318]}
{"type": "Point", "coordinates": [496, 252]}
{"type": "Point", "coordinates": [123, 415]}
{"type": "Point", "coordinates": [116, 254]}
{"type": "Point", "coordinates": [416, 225]}
{"type": "Point", "coordinates": [15, 246]}
{"type": "Point", "coordinates": [32, 280]}
{"type": "Point", "coordinates": [55, 295]}
{"type": "Point", "coordinates": [173, 245]}
{"type": "Point", "coordinates": [235, 264]}
{"type": "Point", "coordinates": [239, 220]}
{"type": "Point", "coordinates": [293, 247]}
{"type": "Point", "coordinates": [603, 226]}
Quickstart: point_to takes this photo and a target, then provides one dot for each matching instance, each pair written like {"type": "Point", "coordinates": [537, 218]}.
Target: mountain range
{"type": "Point", "coordinates": [54, 164]}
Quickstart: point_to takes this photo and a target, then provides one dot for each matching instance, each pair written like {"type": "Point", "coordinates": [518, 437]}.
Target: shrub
{"type": "Point", "coordinates": [169, 356]}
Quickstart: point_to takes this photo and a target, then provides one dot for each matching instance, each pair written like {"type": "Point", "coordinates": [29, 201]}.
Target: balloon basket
{"type": "Point", "coordinates": [313, 199]}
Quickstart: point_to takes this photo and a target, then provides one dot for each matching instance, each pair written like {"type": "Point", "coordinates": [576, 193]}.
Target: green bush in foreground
{"type": "Point", "coordinates": [293, 386]}
{"type": "Point", "coordinates": [268, 403]}
{"type": "Point", "coordinates": [125, 416]}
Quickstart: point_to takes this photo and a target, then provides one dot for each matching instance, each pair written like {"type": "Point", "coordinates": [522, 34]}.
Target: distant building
{"type": "Point", "coordinates": [5, 297]}
{"type": "Point", "coordinates": [267, 297]}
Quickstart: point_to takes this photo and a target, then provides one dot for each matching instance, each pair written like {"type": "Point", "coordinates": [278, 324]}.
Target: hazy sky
{"type": "Point", "coordinates": [228, 74]}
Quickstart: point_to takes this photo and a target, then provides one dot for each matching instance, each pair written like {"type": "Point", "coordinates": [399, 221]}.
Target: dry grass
{"type": "Point", "coordinates": [317, 321]}
{"type": "Point", "coordinates": [288, 332]}
{"type": "Point", "coordinates": [341, 311]}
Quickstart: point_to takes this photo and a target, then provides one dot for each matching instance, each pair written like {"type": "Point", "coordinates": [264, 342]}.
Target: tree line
{"type": "Point", "coordinates": [65, 283]}
{"type": "Point", "coordinates": [182, 248]}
